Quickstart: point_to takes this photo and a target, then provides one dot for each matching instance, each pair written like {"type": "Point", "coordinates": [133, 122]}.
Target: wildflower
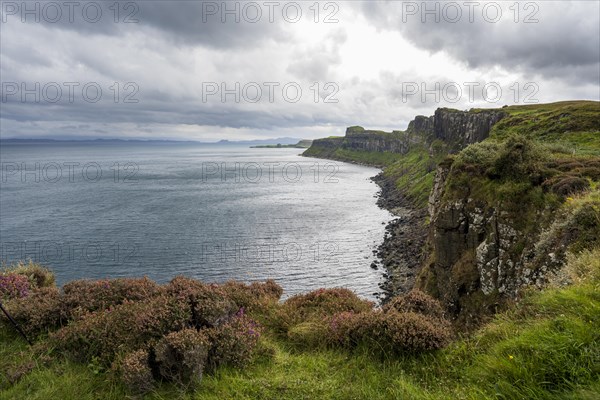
{"type": "Point", "coordinates": [14, 286]}
{"type": "Point", "coordinates": [510, 357]}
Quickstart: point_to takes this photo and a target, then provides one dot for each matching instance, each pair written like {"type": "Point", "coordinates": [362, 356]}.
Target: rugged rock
{"type": "Point", "coordinates": [458, 129]}
{"type": "Point", "coordinates": [453, 128]}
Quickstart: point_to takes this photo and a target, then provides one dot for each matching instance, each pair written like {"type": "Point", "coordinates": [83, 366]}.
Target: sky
{"type": "Point", "coordinates": [207, 71]}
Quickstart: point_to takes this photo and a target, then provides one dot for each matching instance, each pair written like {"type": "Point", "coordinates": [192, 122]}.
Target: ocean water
{"type": "Point", "coordinates": [210, 212]}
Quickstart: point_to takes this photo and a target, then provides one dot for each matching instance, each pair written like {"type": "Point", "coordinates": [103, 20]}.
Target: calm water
{"type": "Point", "coordinates": [213, 213]}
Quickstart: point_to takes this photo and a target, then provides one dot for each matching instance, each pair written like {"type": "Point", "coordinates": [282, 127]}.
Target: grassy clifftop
{"type": "Point", "coordinates": [575, 124]}
{"type": "Point", "coordinates": [571, 127]}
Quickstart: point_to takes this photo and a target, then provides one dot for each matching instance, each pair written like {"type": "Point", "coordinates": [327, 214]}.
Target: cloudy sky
{"type": "Point", "coordinates": [244, 70]}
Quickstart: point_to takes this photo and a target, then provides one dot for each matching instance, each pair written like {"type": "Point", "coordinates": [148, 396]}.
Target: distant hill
{"type": "Point", "coordinates": [302, 144]}
{"type": "Point", "coordinates": [283, 140]}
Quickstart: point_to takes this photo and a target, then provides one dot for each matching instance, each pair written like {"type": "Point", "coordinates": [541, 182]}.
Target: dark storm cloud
{"type": "Point", "coordinates": [215, 24]}
{"type": "Point", "coordinates": [554, 39]}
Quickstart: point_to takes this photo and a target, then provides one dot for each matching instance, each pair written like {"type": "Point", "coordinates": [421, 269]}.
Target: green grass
{"type": "Point", "coordinates": [575, 124]}
{"type": "Point", "coordinates": [546, 347]}
{"type": "Point", "coordinates": [366, 157]}
{"type": "Point", "coordinates": [414, 174]}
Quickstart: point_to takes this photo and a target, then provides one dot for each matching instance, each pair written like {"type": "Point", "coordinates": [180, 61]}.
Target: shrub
{"type": "Point", "coordinates": [417, 302]}
{"type": "Point", "coordinates": [319, 304]}
{"type": "Point", "coordinates": [570, 185]}
{"type": "Point", "coordinates": [234, 342]}
{"type": "Point", "coordinates": [13, 286]}
{"type": "Point", "coordinates": [120, 329]}
{"type": "Point", "coordinates": [210, 305]}
{"type": "Point", "coordinates": [255, 296]}
{"type": "Point", "coordinates": [37, 275]}
{"type": "Point", "coordinates": [136, 373]}
{"type": "Point", "coordinates": [181, 356]}
{"type": "Point", "coordinates": [518, 159]}
{"type": "Point", "coordinates": [86, 295]}
{"type": "Point", "coordinates": [339, 327]}
{"type": "Point", "coordinates": [481, 156]}
{"type": "Point", "coordinates": [39, 312]}
{"type": "Point", "coordinates": [388, 333]}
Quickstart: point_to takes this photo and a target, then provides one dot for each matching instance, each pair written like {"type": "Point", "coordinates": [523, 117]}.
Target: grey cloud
{"type": "Point", "coordinates": [314, 64]}
{"type": "Point", "coordinates": [566, 37]}
{"type": "Point", "coordinates": [181, 22]}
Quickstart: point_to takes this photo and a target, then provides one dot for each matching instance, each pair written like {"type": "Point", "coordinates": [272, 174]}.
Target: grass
{"type": "Point", "coordinates": [414, 174]}
{"type": "Point", "coordinates": [367, 157]}
{"type": "Point", "coordinates": [546, 347]}
{"type": "Point", "coordinates": [575, 124]}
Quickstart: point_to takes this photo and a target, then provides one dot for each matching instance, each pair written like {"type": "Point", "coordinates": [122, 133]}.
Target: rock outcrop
{"type": "Point", "coordinates": [454, 129]}
{"type": "Point", "coordinates": [458, 129]}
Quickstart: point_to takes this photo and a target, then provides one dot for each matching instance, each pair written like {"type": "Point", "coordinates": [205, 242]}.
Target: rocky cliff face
{"type": "Point", "coordinates": [360, 139]}
{"type": "Point", "coordinates": [484, 251]}
{"type": "Point", "coordinates": [477, 252]}
{"type": "Point", "coordinates": [454, 129]}
{"type": "Point", "coordinates": [459, 129]}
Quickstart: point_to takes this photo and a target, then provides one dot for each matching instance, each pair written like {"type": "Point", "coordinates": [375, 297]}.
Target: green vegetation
{"type": "Point", "coordinates": [573, 124]}
{"type": "Point", "coordinates": [413, 174]}
{"type": "Point", "coordinates": [302, 144]}
{"type": "Point", "coordinates": [366, 157]}
{"type": "Point", "coordinates": [546, 347]}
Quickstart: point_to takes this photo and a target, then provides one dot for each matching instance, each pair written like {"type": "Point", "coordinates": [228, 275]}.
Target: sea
{"type": "Point", "coordinates": [212, 212]}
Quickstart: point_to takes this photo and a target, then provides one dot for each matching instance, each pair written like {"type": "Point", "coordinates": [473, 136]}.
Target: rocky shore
{"type": "Point", "coordinates": [401, 251]}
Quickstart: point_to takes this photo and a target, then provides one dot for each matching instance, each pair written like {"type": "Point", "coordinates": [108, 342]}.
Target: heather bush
{"type": "Point", "coordinates": [37, 275]}
{"type": "Point", "coordinates": [388, 333]}
{"type": "Point", "coordinates": [319, 304]}
{"type": "Point", "coordinates": [122, 328]}
{"type": "Point", "coordinates": [136, 373]}
{"type": "Point", "coordinates": [570, 185]}
{"type": "Point", "coordinates": [418, 302]}
{"type": "Point", "coordinates": [87, 296]}
{"type": "Point", "coordinates": [38, 312]}
{"type": "Point", "coordinates": [13, 286]}
{"type": "Point", "coordinates": [181, 356]}
{"type": "Point", "coordinates": [255, 296]}
{"type": "Point", "coordinates": [234, 342]}
{"type": "Point", "coordinates": [210, 305]}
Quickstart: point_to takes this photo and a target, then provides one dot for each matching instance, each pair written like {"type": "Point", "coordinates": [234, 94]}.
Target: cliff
{"type": "Point", "coordinates": [488, 201]}
{"type": "Point", "coordinates": [453, 129]}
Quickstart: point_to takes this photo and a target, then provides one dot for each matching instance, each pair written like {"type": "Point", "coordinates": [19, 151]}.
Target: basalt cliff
{"type": "Point", "coordinates": [488, 202]}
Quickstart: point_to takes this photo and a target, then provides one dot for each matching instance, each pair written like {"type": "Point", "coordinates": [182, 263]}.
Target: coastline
{"type": "Point", "coordinates": [400, 253]}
